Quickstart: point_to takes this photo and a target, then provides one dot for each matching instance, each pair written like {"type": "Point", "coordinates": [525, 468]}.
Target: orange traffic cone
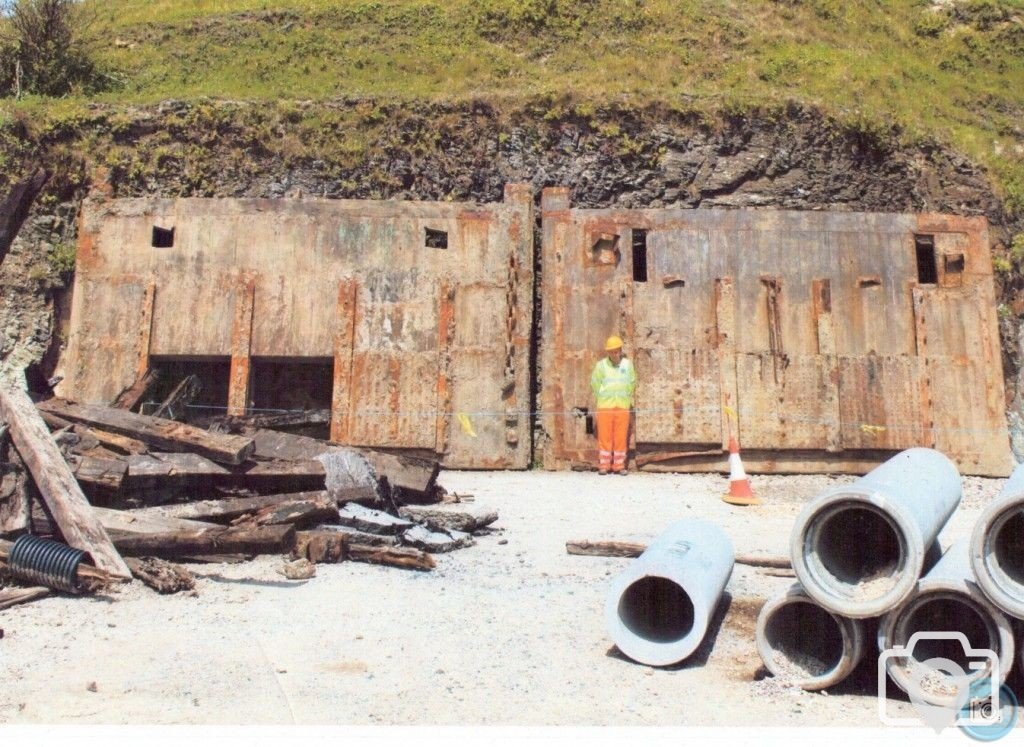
{"type": "Point", "coordinates": [739, 493]}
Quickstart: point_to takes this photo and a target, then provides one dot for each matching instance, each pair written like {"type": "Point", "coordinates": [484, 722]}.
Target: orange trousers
{"type": "Point", "coordinates": [612, 439]}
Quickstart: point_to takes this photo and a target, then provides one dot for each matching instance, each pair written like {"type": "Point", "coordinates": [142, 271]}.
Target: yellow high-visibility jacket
{"type": "Point", "coordinates": [613, 385]}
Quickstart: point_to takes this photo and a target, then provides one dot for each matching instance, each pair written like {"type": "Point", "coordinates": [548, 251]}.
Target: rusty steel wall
{"type": "Point", "coordinates": [429, 346]}
{"type": "Point", "coordinates": [815, 328]}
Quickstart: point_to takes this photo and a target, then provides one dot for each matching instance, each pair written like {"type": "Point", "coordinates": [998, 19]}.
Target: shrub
{"type": "Point", "coordinates": [45, 49]}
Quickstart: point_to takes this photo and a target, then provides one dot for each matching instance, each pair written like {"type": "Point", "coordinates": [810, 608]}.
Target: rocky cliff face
{"type": "Point", "coordinates": [794, 159]}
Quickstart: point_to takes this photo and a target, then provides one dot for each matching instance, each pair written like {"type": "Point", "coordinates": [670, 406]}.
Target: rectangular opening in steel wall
{"type": "Point", "coordinates": [210, 397]}
{"type": "Point", "coordinates": [294, 390]}
{"type": "Point", "coordinates": [640, 255]}
{"type": "Point", "coordinates": [434, 239]}
{"type": "Point", "coordinates": [163, 238]}
{"type": "Point", "coordinates": [927, 270]}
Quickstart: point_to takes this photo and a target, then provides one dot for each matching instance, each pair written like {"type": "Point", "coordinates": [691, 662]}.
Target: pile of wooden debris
{"type": "Point", "coordinates": [136, 491]}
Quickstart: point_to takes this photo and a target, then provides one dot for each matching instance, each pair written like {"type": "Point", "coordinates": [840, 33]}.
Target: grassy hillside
{"type": "Point", "coordinates": [953, 71]}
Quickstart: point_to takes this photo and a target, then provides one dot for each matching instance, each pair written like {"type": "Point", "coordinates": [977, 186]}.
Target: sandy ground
{"type": "Point", "coordinates": [509, 631]}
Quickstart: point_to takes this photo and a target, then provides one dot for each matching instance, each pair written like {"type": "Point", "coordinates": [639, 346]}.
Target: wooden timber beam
{"type": "Point", "coordinates": [69, 507]}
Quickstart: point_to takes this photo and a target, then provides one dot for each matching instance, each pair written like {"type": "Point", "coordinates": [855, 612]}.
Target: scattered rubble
{"type": "Point", "coordinates": [137, 491]}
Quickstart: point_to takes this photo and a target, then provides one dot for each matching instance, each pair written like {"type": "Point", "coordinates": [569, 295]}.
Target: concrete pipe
{"type": "Point", "coordinates": [858, 550]}
{"type": "Point", "coordinates": [802, 642]}
{"type": "Point", "coordinates": [997, 547]}
{"type": "Point", "coordinates": [658, 609]}
{"type": "Point", "coordinates": [947, 601]}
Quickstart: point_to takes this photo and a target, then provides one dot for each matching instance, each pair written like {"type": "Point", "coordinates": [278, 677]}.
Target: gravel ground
{"type": "Point", "coordinates": [509, 631]}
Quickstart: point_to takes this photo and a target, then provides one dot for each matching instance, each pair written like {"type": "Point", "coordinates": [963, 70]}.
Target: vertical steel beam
{"type": "Point", "coordinates": [821, 303]}
{"type": "Point", "coordinates": [344, 338]}
{"type": "Point", "coordinates": [145, 330]}
{"type": "Point", "coordinates": [445, 333]}
{"type": "Point", "coordinates": [241, 346]}
{"type": "Point", "coordinates": [725, 323]}
{"type": "Point", "coordinates": [556, 220]}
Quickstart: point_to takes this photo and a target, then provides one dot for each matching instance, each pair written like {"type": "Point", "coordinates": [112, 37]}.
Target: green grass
{"type": "Point", "coordinates": [955, 75]}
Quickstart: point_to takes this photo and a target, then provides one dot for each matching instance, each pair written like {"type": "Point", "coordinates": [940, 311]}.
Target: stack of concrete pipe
{"type": "Point", "coordinates": [870, 550]}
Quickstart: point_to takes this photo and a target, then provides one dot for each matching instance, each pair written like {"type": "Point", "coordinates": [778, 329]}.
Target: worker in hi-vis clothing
{"type": "Point", "coordinates": [613, 382]}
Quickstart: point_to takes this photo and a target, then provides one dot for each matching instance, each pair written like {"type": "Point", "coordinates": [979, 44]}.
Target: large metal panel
{"type": "Point", "coordinates": [115, 318]}
{"type": "Point", "coordinates": [784, 401]}
{"type": "Point", "coordinates": [370, 284]}
{"type": "Point", "coordinates": [683, 408]}
{"type": "Point", "coordinates": [819, 323]}
{"type": "Point", "coordinates": [394, 401]}
{"type": "Point", "coordinates": [193, 313]}
{"type": "Point", "coordinates": [395, 360]}
{"type": "Point", "coordinates": [965, 422]}
{"type": "Point", "coordinates": [880, 403]}
{"type": "Point", "coordinates": [480, 416]}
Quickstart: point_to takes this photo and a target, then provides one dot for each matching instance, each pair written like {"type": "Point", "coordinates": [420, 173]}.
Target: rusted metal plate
{"type": "Point", "coordinates": [398, 345]}
{"type": "Point", "coordinates": [881, 403]}
{"type": "Point", "coordinates": [394, 400]}
{"type": "Point", "coordinates": [783, 401]}
{"type": "Point", "coordinates": [115, 325]}
{"type": "Point", "coordinates": [966, 423]}
{"type": "Point", "coordinates": [684, 408]}
{"type": "Point", "coordinates": [819, 324]}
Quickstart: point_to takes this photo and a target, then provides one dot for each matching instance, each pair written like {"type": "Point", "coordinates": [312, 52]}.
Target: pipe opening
{"type": "Point", "coordinates": [861, 552]}
{"type": "Point", "coordinates": [805, 639]}
{"type": "Point", "coordinates": [656, 609]}
{"type": "Point", "coordinates": [946, 614]}
{"type": "Point", "coordinates": [1008, 550]}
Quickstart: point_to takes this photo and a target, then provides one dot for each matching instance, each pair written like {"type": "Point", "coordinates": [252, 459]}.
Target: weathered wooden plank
{"type": "Point", "coordinates": [344, 338]}
{"type": "Point", "coordinates": [78, 523]}
{"type": "Point", "coordinates": [616, 549]}
{"type": "Point", "coordinates": [122, 523]}
{"type": "Point", "coordinates": [11, 597]}
{"type": "Point", "coordinates": [117, 442]}
{"type": "Point", "coordinates": [97, 472]}
{"type": "Point", "coordinates": [605, 549]}
{"type": "Point", "coordinates": [14, 487]}
{"type": "Point", "coordinates": [176, 404]}
{"type": "Point", "coordinates": [163, 434]}
{"type": "Point", "coordinates": [226, 509]}
{"type": "Point", "coordinates": [320, 546]}
{"type": "Point", "coordinates": [161, 575]}
{"type": "Point", "coordinates": [279, 475]}
{"type": "Point", "coordinates": [300, 512]}
{"type": "Point", "coordinates": [264, 539]}
{"type": "Point", "coordinates": [413, 474]}
{"type": "Point", "coordinates": [15, 207]}
{"type": "Point", "coordinates": [240, 378]}
{"type": "Point", "coordinates": [400, 557]}
{"type": "Point", "coordinates": [130, 397]}
{"type": "Point", "coordinates": [163, 469]}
